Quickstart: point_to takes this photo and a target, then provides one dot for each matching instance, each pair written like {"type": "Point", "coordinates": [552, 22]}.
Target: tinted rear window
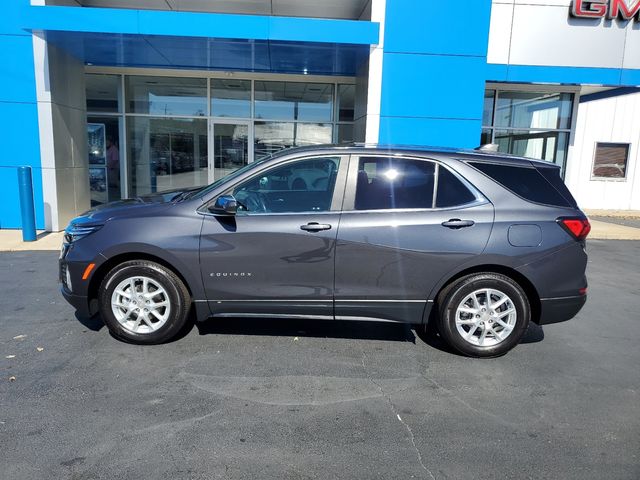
{"type": "Point", "coordinates": [525, 182]}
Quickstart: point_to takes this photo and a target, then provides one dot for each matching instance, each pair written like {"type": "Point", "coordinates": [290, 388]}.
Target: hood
{"type": "Point", "coordinates": [130, 206]}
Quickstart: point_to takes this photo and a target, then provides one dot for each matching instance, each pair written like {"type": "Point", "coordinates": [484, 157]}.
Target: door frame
{"type": "Point", "coordinates": [212, 122]}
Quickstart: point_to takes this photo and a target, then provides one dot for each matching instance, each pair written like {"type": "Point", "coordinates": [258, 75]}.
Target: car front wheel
{"type": "Point", "coordinates": [144, 302]}
{"type": "Point", "coordinates": [483, 315]}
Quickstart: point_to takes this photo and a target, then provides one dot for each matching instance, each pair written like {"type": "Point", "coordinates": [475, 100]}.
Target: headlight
{"type": "Point", "coordinates": [76, 232]}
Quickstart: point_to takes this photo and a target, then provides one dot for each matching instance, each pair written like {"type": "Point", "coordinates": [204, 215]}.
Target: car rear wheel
{"type": "Point", "coordinates": [483, 315]}
{"type": "Point", "coordinates": [144, 302]}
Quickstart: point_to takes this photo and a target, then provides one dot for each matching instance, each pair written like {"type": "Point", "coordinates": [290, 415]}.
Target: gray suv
{"type": "Point", "coordinates": [474, 244]}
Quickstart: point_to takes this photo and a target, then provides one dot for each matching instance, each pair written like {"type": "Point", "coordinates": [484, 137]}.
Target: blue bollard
{"type": "Point", "coordinates": [25, 185]}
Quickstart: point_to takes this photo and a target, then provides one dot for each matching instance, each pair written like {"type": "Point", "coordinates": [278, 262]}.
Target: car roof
{"type": "Point", "coordinates": [419, 150]}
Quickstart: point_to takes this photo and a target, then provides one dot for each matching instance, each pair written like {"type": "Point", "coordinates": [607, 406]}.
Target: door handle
{"type": "Point", "coordinates": [315, 227]}
{"type": "Point", "coordinates": [456, 223]}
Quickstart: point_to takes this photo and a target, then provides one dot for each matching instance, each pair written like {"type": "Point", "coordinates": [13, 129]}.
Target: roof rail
{"type": "Point", "coordinates": [488, 147]}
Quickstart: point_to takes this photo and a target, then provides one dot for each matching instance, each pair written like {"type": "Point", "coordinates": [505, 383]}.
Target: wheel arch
{"type": "Point", "coordinates": [529, 289]}
{"type": "Point", "coordinates": [102, 271]}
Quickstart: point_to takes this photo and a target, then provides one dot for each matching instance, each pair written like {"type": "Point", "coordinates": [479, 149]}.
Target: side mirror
{"type": "Point", "coordinates": [224, 205]}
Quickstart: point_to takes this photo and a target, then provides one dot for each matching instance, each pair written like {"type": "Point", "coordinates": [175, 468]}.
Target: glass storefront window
{"type": "Point", "coordinates": [230, 98]}
{"type": "Point", "coordinates": [166, 153]}
{"type": "Point", "coordinates": [487, 112]}
{"type": "Point", "coordinates": [164, 147]}
{"type": "Point", "coordinates": [544, 145]}
{"type": "Point", "coordinates": [346, 103]}
{"type": "Point", "coordinates": [485, 137]}
{"type": "Point", "coordinates": [534, 110]}
{"type": "Point", "coordinates": [270, 137]}
{"type": "Point", "coordinates": [344, 133]}
{"type": "Point", "coordinates": [311, 102]}
{"type": "Point", "coordinates": [166, 95]}
{"type": "Point", "coordinates": [230, 148]}
{"type": "Point", "coordinates": [103, 93]}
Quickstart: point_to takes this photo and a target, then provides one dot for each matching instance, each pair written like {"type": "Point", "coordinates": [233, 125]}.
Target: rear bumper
{"type": "Point", "coordinates": [554, 310]}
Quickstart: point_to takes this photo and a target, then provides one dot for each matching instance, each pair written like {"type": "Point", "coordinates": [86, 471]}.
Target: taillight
{"type": "Point", "coordinates": [577, 227]}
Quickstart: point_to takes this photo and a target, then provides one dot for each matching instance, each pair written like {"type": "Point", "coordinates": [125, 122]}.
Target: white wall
{"type": "Point", "coordinates": [615, 119]}
{"type": "Point", "coordinates": [541, 32]}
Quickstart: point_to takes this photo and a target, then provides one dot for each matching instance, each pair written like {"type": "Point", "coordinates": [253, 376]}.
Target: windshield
{"type": "Point", "coordinates": [236, 173]}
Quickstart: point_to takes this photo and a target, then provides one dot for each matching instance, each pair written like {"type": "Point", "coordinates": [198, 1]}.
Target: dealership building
{"type": "Point", "coordinates": [107, 99]}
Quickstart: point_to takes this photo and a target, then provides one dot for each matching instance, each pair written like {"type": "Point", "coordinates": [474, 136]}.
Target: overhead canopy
{"type": "Point", "coordinates": [161, 39]}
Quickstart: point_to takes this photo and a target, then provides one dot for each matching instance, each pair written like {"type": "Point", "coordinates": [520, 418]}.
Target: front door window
{"type": "Point", "coordinates": [301, 186]}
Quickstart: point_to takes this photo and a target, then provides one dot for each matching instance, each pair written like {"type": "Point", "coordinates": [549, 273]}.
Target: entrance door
{"type": "Point", "coordinates": [230, 147]}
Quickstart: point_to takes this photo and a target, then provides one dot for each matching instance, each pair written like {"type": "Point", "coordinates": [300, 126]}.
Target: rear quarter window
{"type": "Point", "coordinates": [451, 191]}
{"type": "Point", "coordinates": [526, 182]}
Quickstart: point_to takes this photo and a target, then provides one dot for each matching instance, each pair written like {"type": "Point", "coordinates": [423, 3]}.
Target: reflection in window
{"type": "Point", "coordinates": [344, 133]}
{"type": "Point", "coordinates": [530, 124]}
{"type": "Point", "coordinates": [534, 110]}
{"type": "Point", "coordinates": [103, 93]}
{"type": "Point", "coordinates": [346, 103]}
{"type": "Point", "coordinates": [301, 186]}
{"type": "Point", "coordinates": [271, 137]}
{"type": "Point", "coordinates": [166, 153]}
{"type": "Point", "coordinates": [166, 95]}
{"type": "Point", "coordinates": [230, 98]}
{"type": "Point", "coordinates": [385, 183]}
{"type": "Point", "coordinates": [230, 147]}
{"type": "Point", "coordinates": [487, 112]}
{"type": "Point", "coordinates": [311, 102]}
{"type": "Point", "coordinates": [542, 145]}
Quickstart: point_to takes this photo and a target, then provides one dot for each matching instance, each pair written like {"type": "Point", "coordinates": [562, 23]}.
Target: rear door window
{"type": "Point", "coordinates": [525, 181]}
{"type": "Point", "coordinates": [388, 183]}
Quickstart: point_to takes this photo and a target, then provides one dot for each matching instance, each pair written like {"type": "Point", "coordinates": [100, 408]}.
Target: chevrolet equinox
{"type": "Point", "coordinates": [475, 244]}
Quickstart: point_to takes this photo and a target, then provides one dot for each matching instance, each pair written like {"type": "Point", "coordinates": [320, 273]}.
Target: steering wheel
{"type": "Point", "coordinates": [253, 201]}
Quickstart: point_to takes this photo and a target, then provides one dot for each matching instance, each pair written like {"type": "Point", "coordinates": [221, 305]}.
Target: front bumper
{"type": "Point", "coordinates": [79, 302]}
{"type": "Point", "coordinates": [555, 310]}
{"type": "Point", "coordinates": [74, 286]}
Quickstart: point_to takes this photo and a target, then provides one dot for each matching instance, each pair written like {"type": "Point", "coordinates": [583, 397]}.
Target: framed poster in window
{"type": "Point", "coordinates": [96, 141]}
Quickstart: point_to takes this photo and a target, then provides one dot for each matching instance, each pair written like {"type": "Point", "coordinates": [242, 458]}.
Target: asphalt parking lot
{"type": "Point", "coordinates": [280, 399]}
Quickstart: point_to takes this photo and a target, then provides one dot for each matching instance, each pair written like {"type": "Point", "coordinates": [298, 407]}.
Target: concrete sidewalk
{"type": "Point", "coordinates": [11, 241]}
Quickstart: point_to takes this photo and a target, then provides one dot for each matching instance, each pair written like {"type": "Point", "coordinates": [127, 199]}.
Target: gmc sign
{"type": "Point", "coordinates": [610, 9]}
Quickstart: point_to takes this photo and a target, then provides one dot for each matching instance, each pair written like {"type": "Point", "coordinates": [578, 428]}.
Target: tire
{"type": "Point", "coordinates": [473, 329]}
{"type": "Point", "coordinates": [161, 299]}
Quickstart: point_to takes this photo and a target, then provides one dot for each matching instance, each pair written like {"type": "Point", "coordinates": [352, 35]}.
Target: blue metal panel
{"type": "Point", "coordinates": [566, 75]}
{"type": "Point", "coordinates": [20, 146]}
{"type": "Point", "coordinates": [208, 25]}
{"type": "Point", "coordinates": [18, 109]}
{"type": "Point", "coordinates": [437, 132]}
{"type": "Point", "coordinates": [438, 86]}
{"type": "Point", "coordinates": [433, 74]}
{"type": "Point", "coordinates": [438, 27]}
{"type": "Point", "coordinates": [17, 81]}
{"type": "Point", "coordinates": [630, 77]}
{"type": "Point", "coordinates": [211, 53]}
